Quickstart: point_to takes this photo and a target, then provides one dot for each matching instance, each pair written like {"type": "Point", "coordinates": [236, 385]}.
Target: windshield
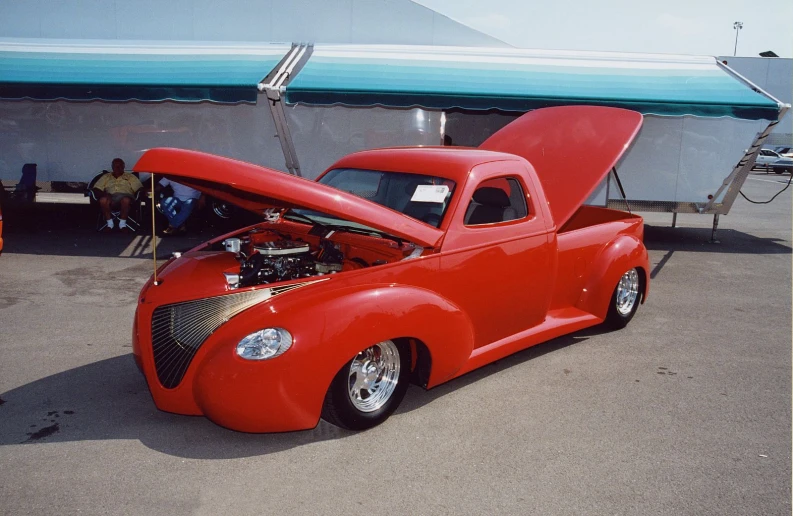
{"type": "Point", "coordinates": [421, 197]}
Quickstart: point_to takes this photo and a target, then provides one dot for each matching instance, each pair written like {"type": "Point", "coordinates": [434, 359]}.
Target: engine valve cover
{"type": "Point", "coordinates": [281, 248]}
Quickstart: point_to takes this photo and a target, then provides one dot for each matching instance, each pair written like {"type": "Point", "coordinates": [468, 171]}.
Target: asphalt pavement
{"type": "Point", "coordinates": [686, 411]}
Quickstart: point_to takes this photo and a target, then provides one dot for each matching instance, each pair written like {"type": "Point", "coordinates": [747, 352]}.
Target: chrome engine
{"type": "Point", "coordinates": [280, 260]}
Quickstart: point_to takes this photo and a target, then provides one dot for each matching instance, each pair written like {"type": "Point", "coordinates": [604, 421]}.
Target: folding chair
{"type": "Point", "coordinates": [132, 222]}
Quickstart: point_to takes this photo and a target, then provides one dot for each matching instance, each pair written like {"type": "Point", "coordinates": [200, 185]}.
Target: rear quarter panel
{"type": "Point", "coordinates": [592, 259]}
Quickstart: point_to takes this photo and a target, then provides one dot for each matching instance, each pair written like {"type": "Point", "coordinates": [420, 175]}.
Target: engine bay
{"type": "Point", "coordinates": [268, 256]}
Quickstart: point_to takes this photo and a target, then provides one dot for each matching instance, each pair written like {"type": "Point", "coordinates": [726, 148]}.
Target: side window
{"type": "Point", "coordinates": [496, 200]}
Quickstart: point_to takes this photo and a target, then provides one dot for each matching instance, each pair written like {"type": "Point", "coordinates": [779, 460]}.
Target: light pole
{"type": "Point", "coordinates": [737, 26]}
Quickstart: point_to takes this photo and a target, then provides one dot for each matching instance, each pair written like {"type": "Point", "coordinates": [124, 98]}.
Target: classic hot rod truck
{"type": "Point", "coordinates": [394, 266]}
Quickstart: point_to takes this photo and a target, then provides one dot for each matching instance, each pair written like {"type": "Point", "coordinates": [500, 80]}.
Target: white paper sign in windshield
{"type": "Point", "coordinates": [430, 193]}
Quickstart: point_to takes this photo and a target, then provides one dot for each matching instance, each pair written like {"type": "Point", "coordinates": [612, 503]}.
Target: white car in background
{"type": "Point", "coordinates": [771, 160]}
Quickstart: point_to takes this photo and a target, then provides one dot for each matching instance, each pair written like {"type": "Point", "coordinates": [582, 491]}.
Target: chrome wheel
{"type": "Point", "coordinates": [373, 376]}
{"type": "Point", "coordinates": [627, 292]}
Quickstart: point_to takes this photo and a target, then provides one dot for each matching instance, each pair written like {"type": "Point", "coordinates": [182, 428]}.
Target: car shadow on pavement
{"type": "Point", "coordinates": [109, 400]}
{"type": "Point", "coordinates": [664, 238]}
{"type": "Point", "coordinates": [418, 397]}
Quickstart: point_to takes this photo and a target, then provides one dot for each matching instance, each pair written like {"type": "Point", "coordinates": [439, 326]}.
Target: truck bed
{"type": "Point", "coordinates": [587, 216]}
{"type": "Point", "coordinates": [579, 242]}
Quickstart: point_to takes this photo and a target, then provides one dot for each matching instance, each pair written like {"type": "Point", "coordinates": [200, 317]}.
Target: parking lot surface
{"type": "Point", "coordinates": [686, 411]}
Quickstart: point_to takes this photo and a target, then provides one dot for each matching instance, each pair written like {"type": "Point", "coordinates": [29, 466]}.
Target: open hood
{"type": "Point", "coordinates": [257, 188]}
{"type": "Point", "coordinates": [572, 149]}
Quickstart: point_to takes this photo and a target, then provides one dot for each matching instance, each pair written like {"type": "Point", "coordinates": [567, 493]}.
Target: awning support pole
{"type": "Point", "coordinates": [674, 219]}
{"type": "Point", "coordinates": [283, 134]}
{"type": "Point", "coordinates": [734, 181]}
{"type": "Point", "coordinates": [273, 89]}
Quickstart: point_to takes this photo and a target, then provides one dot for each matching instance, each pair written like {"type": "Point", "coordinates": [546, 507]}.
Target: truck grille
{"type": "Point", "coordinates": [178, 330]}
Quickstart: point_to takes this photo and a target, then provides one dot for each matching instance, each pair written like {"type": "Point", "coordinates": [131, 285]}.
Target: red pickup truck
{"type": "Point", "coordinates": [394, 266]}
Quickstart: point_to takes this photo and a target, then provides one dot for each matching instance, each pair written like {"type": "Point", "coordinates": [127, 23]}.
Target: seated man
{"type": "Point", "coordinates": [178, 207]}
{"type": "Point", "coordinates": [116, 190]}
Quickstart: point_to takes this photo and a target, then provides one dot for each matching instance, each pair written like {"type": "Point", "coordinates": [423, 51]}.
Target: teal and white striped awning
{"type": "Point", "coordinates": [120, 71]}
{"type": "Point", "coordinates": [521, 80]}
{"type": "Point", "coordinates": [377, 75]}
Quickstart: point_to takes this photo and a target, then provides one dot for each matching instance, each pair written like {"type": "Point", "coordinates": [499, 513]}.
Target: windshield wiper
{"type": "Point", "coordinates": [302, 218]}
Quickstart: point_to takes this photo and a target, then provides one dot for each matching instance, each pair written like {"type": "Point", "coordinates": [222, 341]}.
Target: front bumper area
{"type": "Point", "coordinates": [248, 396]}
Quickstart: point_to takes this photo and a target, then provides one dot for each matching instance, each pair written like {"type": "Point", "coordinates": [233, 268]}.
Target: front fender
{"type": "Point", "coordinates": [623, 253]}
{"type": "Point", "coordinates": [335, 325]}
{"type": "Point", "coordinates": [328, 327]}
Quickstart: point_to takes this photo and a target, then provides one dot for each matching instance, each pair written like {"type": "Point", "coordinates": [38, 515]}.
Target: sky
{"type": "Point", "coordinates": [703, 27]}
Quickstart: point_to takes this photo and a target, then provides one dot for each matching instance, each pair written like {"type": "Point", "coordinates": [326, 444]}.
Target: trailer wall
{"type": "Point", "coordinates": [675, 161]}
{"type": "Point", "coordinates": [73, 141]}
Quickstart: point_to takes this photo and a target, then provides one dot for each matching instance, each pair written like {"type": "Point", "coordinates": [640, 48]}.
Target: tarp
{"type": "Point", "coordinates": [521, 80]}
{"type": "Point", "coordinates": [121, 71]}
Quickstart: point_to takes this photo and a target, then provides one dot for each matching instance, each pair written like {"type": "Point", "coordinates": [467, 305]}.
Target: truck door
{"type": "Point", "coordinates": [498, 254]}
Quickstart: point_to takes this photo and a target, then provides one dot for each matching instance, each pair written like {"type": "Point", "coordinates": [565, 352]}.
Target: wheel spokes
{"type": "Point", "coordinates": [357, 387]}
{"type": "Point", "coordinates": [373, 376]}
{"type": "Point", "coordinates": [627, 292]}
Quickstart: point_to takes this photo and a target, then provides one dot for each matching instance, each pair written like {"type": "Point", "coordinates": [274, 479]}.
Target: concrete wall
{"type": "Point", "coordinates": [318, 21]}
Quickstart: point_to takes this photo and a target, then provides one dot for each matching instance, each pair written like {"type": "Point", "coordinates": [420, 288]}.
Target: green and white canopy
{"type": "Point", "coordinates": [521, 80]}
{"type": "Point", "coordinates": [398, 76]}
{"type": "Point", "coordinates": [145, 71]}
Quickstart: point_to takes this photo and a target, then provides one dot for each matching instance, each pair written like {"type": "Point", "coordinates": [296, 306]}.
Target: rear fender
{"type": "Point", "coordinates": [623, 253]}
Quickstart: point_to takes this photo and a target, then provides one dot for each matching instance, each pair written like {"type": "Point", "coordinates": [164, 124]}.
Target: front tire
{"type": "Point", "coordinates": [625, 300]}
{"type": "Point", "coordinates": [369, 388]}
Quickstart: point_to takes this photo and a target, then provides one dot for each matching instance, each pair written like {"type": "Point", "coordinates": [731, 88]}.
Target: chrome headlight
{"type": "Point", "coordinates": [264, 344]}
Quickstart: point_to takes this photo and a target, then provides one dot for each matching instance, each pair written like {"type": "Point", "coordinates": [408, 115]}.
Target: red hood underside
{"type": "Point", "coordinates": [572, 149]}
{"type": "Point", "coordinates": [257, 188]}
